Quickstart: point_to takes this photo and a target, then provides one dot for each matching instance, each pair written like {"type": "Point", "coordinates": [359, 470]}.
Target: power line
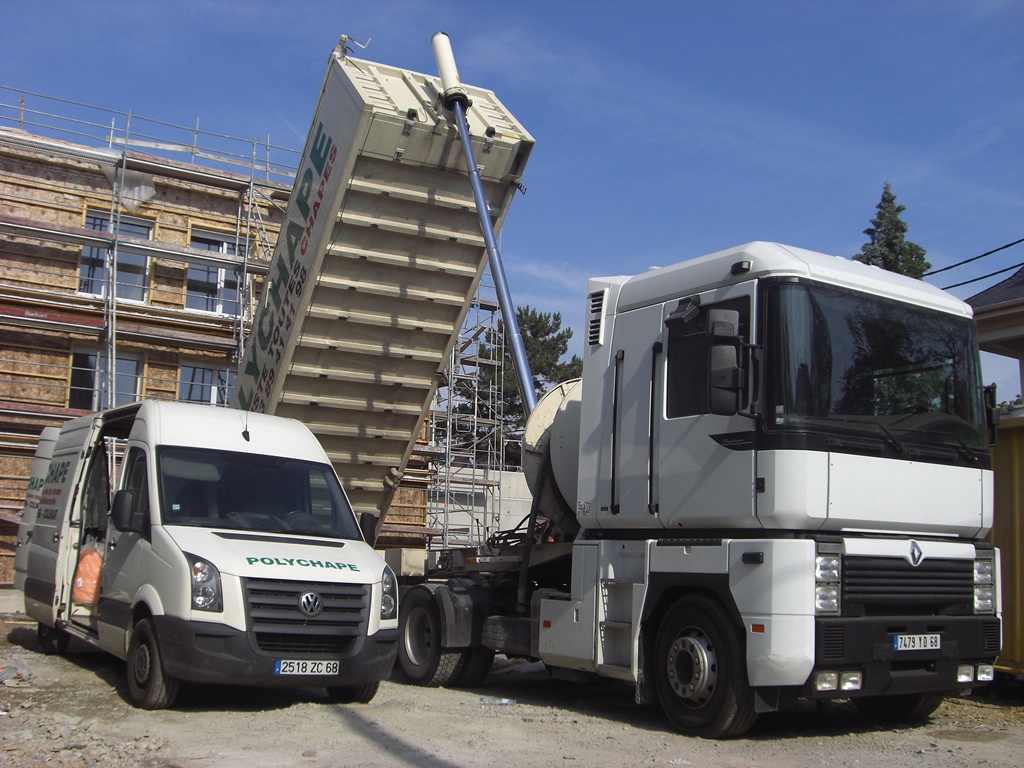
{"type": "Point", "coordinates": [975, 258]}
{"type": "Point", "coordinates": [992, 274]}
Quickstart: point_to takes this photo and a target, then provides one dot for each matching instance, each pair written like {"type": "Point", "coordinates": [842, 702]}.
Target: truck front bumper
{"type": "Point", "coordinates": [868, 645]}
{"type": "Point", "coordinates": [213, 653]}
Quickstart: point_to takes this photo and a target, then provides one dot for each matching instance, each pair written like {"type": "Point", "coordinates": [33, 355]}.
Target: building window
{"type": "Point", "coordinates": [130, 278]}
{"type": "Point", "coordinates": [204, 384]}
{"type": "Point", "coordinates": [90, 387]}
{"type": "Point", "coordinates": [209, 288]}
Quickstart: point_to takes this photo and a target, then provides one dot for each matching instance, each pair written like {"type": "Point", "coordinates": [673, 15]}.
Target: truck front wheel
{"type": "Point", "coordinates": [420, 654]}
{"type": "Point", "coordinates": [700, 672]}
{"type": "Point", "coordinates": [148, 685]}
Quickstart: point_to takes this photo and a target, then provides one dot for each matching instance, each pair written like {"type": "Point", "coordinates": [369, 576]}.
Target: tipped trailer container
{"type": "Point", "coordinates": [376, 266]}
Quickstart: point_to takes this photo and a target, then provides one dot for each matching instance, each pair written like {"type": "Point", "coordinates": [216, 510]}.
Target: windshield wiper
{"type": "Point", "coordinates": [894, 441]}
{"type": "Point", "coordinates": [965, 450]}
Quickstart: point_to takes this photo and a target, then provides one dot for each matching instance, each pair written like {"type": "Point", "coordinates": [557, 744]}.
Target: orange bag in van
{"type": "Point", "coordinates": [86, 587]}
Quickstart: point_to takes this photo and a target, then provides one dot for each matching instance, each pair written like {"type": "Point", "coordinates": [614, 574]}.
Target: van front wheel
{"type": "Point", "coordinates": [148, 685]}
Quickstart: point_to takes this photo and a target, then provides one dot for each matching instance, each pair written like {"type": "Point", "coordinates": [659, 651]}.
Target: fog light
{"type": "Point", "coordinates": [826, 681]}
{"type": "Point", "coordinates": [986, 673]}
{"type": "Point", "coordinates": [850, 681]}
{"type": "Point", "coordinates": [965, 673]}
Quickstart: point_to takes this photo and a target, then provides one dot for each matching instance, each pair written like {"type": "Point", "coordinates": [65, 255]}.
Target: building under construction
{"type": "Point", "coordinates": [132, 257]}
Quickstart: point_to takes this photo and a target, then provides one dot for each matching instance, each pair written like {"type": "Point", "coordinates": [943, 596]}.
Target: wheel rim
{"type": "Point", "coordinates": [143, 665]}
{"type": "Point", "coordinates": [419, 637]}
{"type": "Point", "coordinates": [692, 667]}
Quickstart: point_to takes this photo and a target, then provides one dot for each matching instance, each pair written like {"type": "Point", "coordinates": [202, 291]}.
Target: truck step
{"type": "Point", "coordinates": [621, 626]}
{"type": "Point", "coordinates": [615, 670]}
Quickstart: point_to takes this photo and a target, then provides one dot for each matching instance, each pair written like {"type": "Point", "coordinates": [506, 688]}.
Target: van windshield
{"type": "Point", "coordinates": [223, 489]}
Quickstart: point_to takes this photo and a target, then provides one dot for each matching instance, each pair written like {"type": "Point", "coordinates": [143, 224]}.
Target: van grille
{"type": "Point", "coordinates": [279, 627]}
{"type": "Point", "coordinates": [883, 586]}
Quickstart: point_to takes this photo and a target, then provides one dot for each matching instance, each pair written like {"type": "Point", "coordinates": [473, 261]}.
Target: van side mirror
{"type": "Point", "coordinates": [368, 525]}
{"type": "Point", "coordinates": [124, 515]}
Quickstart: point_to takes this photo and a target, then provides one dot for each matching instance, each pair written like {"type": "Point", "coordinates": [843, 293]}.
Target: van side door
{"type": "Point", "coordinates": [122, 559]}
{"type": "Point", "coordinates": [53, 546]}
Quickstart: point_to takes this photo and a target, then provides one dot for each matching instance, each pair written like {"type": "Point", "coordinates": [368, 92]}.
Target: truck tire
{"type": "Point", "coordinates": [50, 640]}
{"type": "Point", "coordinates": [353, 694]}
{"type": "Point", "coordinates": [901, 708]}
{"type": "Point", "coordinates": [474, 667]}
{"type": "Point", "coordinates": [422, 658]}
{"type": "Point", "coordinates": [148, 685]}
{"type": "Point", "coordinates": [700, 672]}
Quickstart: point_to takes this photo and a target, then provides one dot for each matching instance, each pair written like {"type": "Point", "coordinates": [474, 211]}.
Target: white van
{"type": "Point", "coordinates": [229, 554]}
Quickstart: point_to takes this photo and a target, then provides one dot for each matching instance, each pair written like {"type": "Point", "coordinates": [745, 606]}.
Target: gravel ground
{"type": "Point", "coordinates": [73, 711]}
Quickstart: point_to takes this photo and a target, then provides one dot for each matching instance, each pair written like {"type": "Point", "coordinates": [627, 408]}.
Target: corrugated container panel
{"type": "Point", "coordinates": [376, 266]}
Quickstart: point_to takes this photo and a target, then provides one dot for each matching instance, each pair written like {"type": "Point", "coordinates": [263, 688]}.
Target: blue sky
{"type": "Point", "coordinates": [665, 130]}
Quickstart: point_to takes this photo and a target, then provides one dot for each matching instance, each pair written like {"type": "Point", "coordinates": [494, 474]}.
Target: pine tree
{"type": "Point", "coordinates": [888, 247]}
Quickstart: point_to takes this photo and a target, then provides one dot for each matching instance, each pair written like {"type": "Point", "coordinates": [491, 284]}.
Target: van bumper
{"type": "Point", "coordinates": [200, 652]}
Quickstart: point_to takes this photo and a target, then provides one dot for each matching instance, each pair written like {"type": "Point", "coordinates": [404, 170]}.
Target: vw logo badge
{"type": "Point", "coordinates": [310, 604]}
{"type": "Point", "coordinates": [916, 555]}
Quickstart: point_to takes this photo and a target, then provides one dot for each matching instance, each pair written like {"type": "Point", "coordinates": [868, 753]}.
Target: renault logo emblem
{"type": "Point", "coordinates": [916, 555]}
{"type": "Point", "coordinates": [310, 604]}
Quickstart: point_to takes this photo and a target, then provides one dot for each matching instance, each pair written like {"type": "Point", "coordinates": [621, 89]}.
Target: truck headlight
{"type": "Point", "coordinates": [826, 598]}
{"type": "Point", "coordinates": [205, 580]}
{"type": "Point", "coordinates": [389, 595]}
{"type": "Point", "coordinates": [828, 577]}
{"type": "Point", "coordinates": [984, 586]}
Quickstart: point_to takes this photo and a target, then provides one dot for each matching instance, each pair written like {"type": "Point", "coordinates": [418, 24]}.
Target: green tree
{"type": "Point", "coordinates": [547, 343]}
{"type": "Point", "coordinates": [888, 247]}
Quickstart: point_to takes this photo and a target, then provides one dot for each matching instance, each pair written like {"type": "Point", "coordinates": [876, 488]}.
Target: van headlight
{"type": "Point", "coordinates": [205, 580]}
{"type": "Point", "coordinates": [389, 595]}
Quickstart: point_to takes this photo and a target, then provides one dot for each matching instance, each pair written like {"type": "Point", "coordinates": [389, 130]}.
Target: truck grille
{"type": "Point", "coordinates": [880, 586]}
{"type": "Point", "coordinates": [279, 627]}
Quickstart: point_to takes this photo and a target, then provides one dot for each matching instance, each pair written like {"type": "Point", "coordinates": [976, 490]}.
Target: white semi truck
{"type": "Point", "coordinates": [771, 483]}
{"type": "Point", "coordinates": [230, 554]}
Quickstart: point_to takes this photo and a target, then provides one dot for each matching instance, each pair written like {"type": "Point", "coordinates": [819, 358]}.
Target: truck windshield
{"type": "Point", "coordinates": [844, 363]}
{"type": "Point", "coordinates": [224, 489]}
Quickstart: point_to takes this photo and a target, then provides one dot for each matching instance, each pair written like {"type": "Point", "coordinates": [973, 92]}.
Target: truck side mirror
{"type": "Point", "coordinates": [723, 380]}
{"type": "Point", "coordinates": [124, 515]}
{"type": "Point", "coordinates": [724, 372]}
{"type": "Point", "coordinates": [723, 324]}
{"type": "Point", "coordinates": [991, 412]}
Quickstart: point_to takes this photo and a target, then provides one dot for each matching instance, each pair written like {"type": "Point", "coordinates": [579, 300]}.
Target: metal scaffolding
{"type": "Point", "coordinates": [73, 176]}
{"type": "Point", "coordinates": [465, 498]}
